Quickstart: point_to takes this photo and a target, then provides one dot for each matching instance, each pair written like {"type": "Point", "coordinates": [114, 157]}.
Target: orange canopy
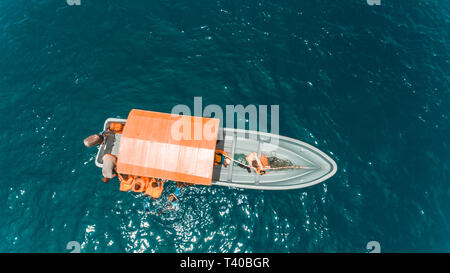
{"type": "Point", "coordinates": [168, 146]}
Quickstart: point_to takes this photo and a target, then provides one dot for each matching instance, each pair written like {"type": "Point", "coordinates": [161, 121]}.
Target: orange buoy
{"type": "Point", "coordinates": [140, 184]}
{"type": "Point", "coordinates": [116, 127]}
{"type": "Point", "coordinates": [126, 185]}
{"type": "Point", "coordinates": [155, 188]}
{"type": "Point", "coordinates": [221, 158]}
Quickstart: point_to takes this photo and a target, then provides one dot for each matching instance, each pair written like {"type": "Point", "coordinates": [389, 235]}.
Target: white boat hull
{"type": "Point", "coordinates": [320, 166]}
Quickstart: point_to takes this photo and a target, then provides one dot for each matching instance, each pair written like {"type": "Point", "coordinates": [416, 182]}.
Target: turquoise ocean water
{"type": "Point", "coordinates": [368, 85]}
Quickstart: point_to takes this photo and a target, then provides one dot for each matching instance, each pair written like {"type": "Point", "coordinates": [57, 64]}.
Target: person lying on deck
{"type": "Point", "coordinates": [259, 165]}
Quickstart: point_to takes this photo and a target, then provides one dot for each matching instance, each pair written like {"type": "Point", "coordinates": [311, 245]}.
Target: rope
{"type": "Point", "coordinates": [269, 168]}
{"type": "Point", "coordinates": [288, 167]}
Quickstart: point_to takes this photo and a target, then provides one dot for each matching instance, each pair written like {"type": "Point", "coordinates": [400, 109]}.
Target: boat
{"type": "Point", "coordinates": [144, 148]}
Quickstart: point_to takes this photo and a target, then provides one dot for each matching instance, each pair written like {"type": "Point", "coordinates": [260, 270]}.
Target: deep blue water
{"type": "Point", "coordinates": [368, 85]}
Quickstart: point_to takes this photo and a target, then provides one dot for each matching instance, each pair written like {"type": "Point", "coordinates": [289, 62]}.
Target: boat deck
{"type": "Point", "coordinates": [320, 166]}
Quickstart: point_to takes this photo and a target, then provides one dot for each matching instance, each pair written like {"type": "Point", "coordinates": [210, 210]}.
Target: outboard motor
{"type": "Point", "coordinates": [93, 140]}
